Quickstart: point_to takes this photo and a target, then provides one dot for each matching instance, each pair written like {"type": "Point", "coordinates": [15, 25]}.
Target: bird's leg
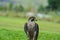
{"type": "Point", "coordinates": [28, 36]}
{"type": "Point", "coordinates": [34, 35]}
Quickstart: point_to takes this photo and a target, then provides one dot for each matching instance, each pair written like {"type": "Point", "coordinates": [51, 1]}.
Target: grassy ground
{"type": "Point", "coordinates": [12, 29]}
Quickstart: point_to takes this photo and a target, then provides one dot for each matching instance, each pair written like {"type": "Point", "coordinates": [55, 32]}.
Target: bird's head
{"type": "Point", "coordinates": [32, 18]}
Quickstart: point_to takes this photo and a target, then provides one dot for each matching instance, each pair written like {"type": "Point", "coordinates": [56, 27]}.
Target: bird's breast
{"type": "Point", "coordinates": [31, 26]}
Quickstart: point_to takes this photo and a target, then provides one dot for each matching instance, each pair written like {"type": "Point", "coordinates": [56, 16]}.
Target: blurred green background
{"type": "Point", "coordinates": [15, 13]}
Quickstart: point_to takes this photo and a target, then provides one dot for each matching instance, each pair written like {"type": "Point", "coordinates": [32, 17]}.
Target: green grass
{"type": "Point", "coordinates": [20, 35]}
{"type": "Point", "coordinates": [12, 29]}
